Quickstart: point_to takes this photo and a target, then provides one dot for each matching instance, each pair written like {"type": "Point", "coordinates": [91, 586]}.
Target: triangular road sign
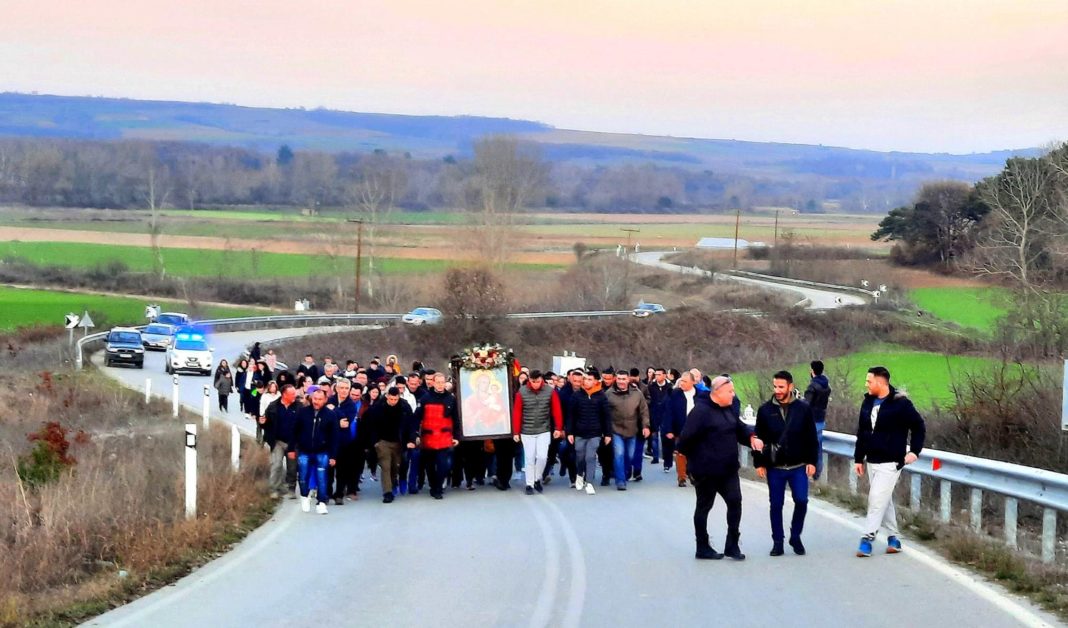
{"type": "Point", "coordinates": [86, 322]}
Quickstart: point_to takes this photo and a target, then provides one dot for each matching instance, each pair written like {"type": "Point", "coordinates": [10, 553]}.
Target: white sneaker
{"type": "Point", "coordinates": [589, 489]}
{"type": "Point", "coordinates": [321, 508]}
{"type": "Point", "coordinates": [305, 504]}
{"type": "Point", "coordinates": [580, 483]}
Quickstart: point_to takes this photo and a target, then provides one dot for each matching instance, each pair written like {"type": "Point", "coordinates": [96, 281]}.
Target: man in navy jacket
{"type": "Point", "coordinates": [709, 440]}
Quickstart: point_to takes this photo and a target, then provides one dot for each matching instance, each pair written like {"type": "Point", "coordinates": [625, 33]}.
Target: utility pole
{"type": "Point", "coordinates": [359, 258]}
{"type": "Point", "coordinates": [737, 223]}
{"type": "Point", "coordinates": [775, 245]}
{"type": "Point", "coordinates": [626, 264]}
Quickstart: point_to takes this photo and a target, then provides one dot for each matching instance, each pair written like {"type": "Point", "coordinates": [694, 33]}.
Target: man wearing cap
{"type": "Point", "coordinates": [536, 410]}
{"type": "Point", "coordinates": [630, 417]}
{"type": "Point", "coordinates": [710, 440]}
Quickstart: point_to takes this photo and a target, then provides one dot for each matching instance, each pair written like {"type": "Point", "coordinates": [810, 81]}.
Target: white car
{"type": "Point", "coordinates": [189, 352]}
{"type": "Point", "coordinates": [645, 310]}
{"type": "Point", "coordinates": [422, 316]}
{"type": "Point", "coordinates": [177, 319]}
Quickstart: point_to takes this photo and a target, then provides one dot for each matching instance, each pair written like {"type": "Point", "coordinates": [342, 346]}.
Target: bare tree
{"type": "Point", "coordinates": [508, 174]}
{"type": "Point", "coordinates": [380, 181]}
{"type": "Point", "coordinates": [157, 190]}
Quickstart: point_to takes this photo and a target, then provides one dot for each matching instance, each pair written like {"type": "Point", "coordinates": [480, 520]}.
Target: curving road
{"type": "Point", "coordinates": [817, 299]}
{"type": "Point", "coordinates": [487, 558]}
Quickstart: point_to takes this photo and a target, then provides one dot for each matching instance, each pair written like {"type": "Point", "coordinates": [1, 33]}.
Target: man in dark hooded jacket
{"type": "Point", "coordinates": [817, 395]}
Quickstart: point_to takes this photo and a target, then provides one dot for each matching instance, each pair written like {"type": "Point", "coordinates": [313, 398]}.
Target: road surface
{"type": "Point", "coordinates": [487, 558]}
{"type": "Point", "coordinates": [817, 299]}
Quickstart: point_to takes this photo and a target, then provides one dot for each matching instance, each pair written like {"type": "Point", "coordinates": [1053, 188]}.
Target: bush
{"type": "Point", "coordinates": [50, 455]}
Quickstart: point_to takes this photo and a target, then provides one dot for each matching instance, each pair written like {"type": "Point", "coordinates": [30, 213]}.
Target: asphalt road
{"type": "Point", "coordinates": [818, 299]}
{"type": "Point", "coordinates": [487, 558]}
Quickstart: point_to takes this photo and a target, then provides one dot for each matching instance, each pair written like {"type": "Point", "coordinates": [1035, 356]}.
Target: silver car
{"type": "Point", "coordinates": [422, 316]}
{"type": "Point", "coordinates": [157, 336]}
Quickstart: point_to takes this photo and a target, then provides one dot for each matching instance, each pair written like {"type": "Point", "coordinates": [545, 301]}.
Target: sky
{"type": "Point", "coordinates": [922, 75]}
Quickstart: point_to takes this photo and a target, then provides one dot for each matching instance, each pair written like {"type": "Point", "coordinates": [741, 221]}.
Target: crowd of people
{"type": "Point", "coordinates": [327, 424]}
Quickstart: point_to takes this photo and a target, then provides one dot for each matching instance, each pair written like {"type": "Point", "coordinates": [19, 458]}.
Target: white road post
{"type": "Point", "coordinates": [174, 397]}
{"type": "Point", "coordinates": [148, 389]}
{"type": "Point", "coordinates": [206, 409]}
{"type": "Point", "coordinates": [190, 470]}
{"type": "Point", "coordinates": [235, 447]}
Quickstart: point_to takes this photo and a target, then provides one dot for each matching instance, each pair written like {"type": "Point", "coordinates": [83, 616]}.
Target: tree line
{"type": "Point", "coordinates": [135, 174]}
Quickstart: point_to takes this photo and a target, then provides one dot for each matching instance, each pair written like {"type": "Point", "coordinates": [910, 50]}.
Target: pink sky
{"type": "Point", "coordinates": [931, 75]}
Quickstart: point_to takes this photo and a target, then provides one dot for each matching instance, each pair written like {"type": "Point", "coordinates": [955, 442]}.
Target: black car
{"type": "Point", "coordinates": [124, 346]}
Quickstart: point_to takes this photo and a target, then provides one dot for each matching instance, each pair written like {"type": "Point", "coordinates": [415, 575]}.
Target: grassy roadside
{"type": "Point", "coordinates": [976, 308]}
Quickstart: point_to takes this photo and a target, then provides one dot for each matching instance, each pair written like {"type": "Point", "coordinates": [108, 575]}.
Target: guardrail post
{"type": "Point", "coordinates": [190, 470]}
{"type": "Point", "coordinates": [205, 409]}
{"type": "Point", "coordinates": [1049, 535]}
{"type": "Point", "coordinates": [174, 396]}
{"type": "Point", "coordinates": [977, 509]}
{"type": "Point", "coordinates": [235, 447]}
{"type": "Point", "coordinates": [852, 481]}
{"type": "Point", "coordinates": [946, 500]}
{"type": "Point", "coordinates": [916, 491]}
{"type": "Point", "coordinates": [148, 389]}
{"type": "Point", "coordinates": [1010, 522]}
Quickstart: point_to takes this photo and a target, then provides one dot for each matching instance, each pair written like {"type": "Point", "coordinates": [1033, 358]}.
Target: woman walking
{"type": "Point", "coordinates": [224, 384]}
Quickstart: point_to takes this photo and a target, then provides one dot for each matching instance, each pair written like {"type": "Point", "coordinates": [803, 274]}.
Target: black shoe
{"type": "Point", "coordinates": [339, 501]}
{"type": "Point", "coordinates": [604, 481]}
{"type": "Point", "coordinates": [437, 495]}
{"type": "Point", "coordinates": [530, 490]}
{"type": "Point", "coordinates": [637, 478]}
{"type": "Point", "coordinates": [621, 487]}
{"type": "Point", "coordinates": [682, 483]}
{"type": "Point", "coordinates": [655, 461]}
{"type": "Point", "coordinates": [387, 498]}
{"type": "Point", "coordinates": [776, 549]}
{"type": "Point", "coordinates": [538, 487]}
{"type": "Point", "coordinates": [545, 479]}
{"type": "Point", "coordinates": [707, 553]}
{"type": "Point", "coordinates": [799, 548]}
{"type": "Point", "coordinates": [470, 487]}
{"type": "Point", "coordinates": [734, 553]}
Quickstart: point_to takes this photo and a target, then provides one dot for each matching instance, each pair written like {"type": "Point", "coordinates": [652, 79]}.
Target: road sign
{"type": "Point", "coordinates": [72, 321]}
{"type": "Point", "coordinates": [152, 311]}
{"type": "Point", "coordinates": [86, 322]}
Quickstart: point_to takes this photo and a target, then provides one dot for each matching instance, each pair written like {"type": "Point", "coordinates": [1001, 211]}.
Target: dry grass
{"type": "Point", "coordinates": [119, 508]}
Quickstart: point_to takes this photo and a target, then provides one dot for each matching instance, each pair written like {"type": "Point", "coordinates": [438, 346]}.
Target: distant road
{"type": "Point", "coordinates": [818, 299]}
{"type": "Point", "coordinates": [487, 558]}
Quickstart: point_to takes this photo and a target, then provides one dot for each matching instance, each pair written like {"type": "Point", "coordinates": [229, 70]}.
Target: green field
{"type": "Point", "coordinates": [25, 308]}
{"type": "Point", "coordinates": [977, 308]}
{"type": "Point", "coordinates": [212, 263]}
{"type": "Point", "coordinates": [927, 377]}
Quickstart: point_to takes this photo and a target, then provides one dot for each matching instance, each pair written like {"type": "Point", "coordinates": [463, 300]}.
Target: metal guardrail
{"type": "Point", "coordinates": [801, 282]}
{"type": "Point", "coordinates": [323, 320]}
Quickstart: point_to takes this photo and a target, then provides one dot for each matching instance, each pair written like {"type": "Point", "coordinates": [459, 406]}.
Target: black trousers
{"type": "Point", "coordinates": [346, 475]}
{"type": "Point", "coordinates": [504, 450]}
{"type": "Point", "coordinates": [729, 488]}
{"type": "Point", "coordinates": [224, 402]}
{"type": "Point", "coordinates": [468, 462]}
{"type": "Point", "coordinates": [606, 458]}
{"type": "Point", "coordinates": [667, 450]}
{"type": "Point", "coordinates": [437, 463]}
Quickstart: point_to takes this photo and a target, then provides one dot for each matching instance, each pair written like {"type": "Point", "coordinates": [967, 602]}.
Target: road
{"type": "Point", "coordinates": [817, 299]}
{"type": "Point", "coordinates": [487, 558]}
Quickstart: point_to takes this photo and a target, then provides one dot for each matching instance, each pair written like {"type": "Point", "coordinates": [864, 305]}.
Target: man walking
{"type": "Point", "coordinates": [683, 399]}
{"type": "Point", "coordinates": [785, 424]}
{"type": "Point", "coordinates": [314, 447]}
{"type": "Point", "coordinates": [439, 433]}
{"type": "Point", "coordinates": [391, 425]}
{"type": "Point", "coordinates": [630, 416]}
{"type": "Point", "coordinates": [888, 427]}
{"type": "Point", "coordinates": [818, 394]}
{"type": "Point", "coordinates": [588, 427]}
{"type": "Point", "coordinates": [660, 417]}
{"type": "Point", "coordinates": [710, 440]}
{"type": "Point", "coordinates": [535, 412]}
{"type": "Point", "coordinates": [280, 420]}
{"type": "Point", "coordinates": [345, 476]}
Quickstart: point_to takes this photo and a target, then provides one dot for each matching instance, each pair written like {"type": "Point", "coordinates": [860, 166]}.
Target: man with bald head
{"type": "Point", "coordinates": [710, 440]}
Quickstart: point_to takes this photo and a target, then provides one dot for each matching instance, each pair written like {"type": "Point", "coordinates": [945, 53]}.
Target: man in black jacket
{"type": "Point", "coordinates": [817, 395]}
{"type": "Point", "coordinates": [890, 435]}
{"type": "Point", "coordinates": [659, 393]}
{"type": "Point", "coordinates": [392, 428]}
{"type": "Point", "coordinates": [588, 426]}
{"type": "Point", "coordinates": [786, 425]}
{"type": "Point", "coordinates": [314, 447]}
{"type": "Point", "coordinates": [280, 419]}
{"type": "Point", "coordinates": [710, 440]}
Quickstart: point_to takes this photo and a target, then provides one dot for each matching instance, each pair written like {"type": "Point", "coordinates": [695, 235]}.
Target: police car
{"type": "Point", "coordinates": [189, 352]}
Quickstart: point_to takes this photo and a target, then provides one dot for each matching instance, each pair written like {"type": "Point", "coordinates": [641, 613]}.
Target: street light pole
{"type": "Point", "coordinates": [359, 258]}
{"type": "Point", "coordinates": [626, 264]}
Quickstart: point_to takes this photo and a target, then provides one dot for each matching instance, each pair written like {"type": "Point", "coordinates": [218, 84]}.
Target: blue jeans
{"type": "Point", "coordinates": [304, 471]}
{"type": "Point", "coordinates": [777, 481]}
{"type": "Point", "coordinates": [638, 457]}
{"type": "Point", "coordinates": [623, 449]}
{"type": "Point", "coordinates": [820, 425]}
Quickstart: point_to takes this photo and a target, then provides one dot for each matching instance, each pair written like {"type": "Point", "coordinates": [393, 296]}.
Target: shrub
{"type": "Point", "coordinates": [50, 455]}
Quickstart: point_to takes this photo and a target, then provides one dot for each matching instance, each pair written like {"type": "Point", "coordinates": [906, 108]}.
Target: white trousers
{"type": "Point", "coordinates": [535, 454]}
{"type": "Point", "coordinates": [882, 478]}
